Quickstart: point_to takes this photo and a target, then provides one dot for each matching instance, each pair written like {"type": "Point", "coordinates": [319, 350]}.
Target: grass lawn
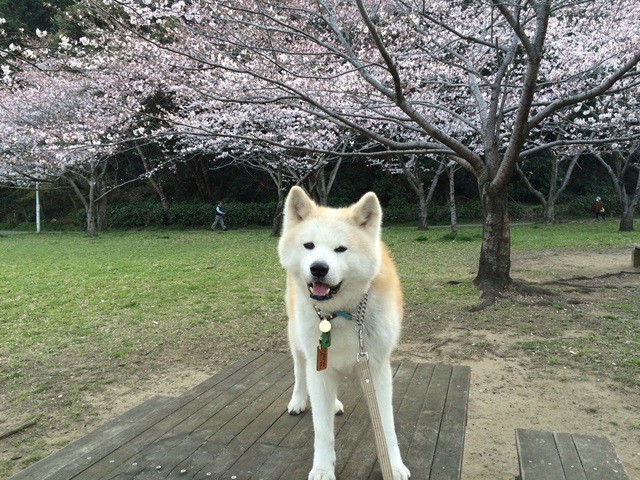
{"type": "Point", "coordinates": [80, 313]}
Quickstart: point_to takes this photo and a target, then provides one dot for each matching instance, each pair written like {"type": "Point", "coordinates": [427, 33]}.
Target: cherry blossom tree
{"type": "Point", "coordinates": [618, 118]}
{"type": "Point", "coordinates": [226, 135]}
{"type": "Point", "coordinates": [471, 80]}
{"type": "Point", "coordinates": [65, 128]}
{"type": "Point", "coordinates": [559, 168]}
{"type": "Point", "coordinates": [52, 138]}
{"type": "Point", "coordinates": [623, 164]}
{"type": "Point", "coordinates": [70, 108]}
{"type": "Point", "coordinates": [417, 170]}
{"type": "Point", "coordinates": [475, 81]}
{"type": "Point", "coordinates": [601, 127]}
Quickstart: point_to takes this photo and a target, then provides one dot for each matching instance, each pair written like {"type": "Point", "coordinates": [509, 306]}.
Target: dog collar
{"type": "Point", "coordinates": [325, 331]}
{"type": "Point", "coordinates": [339, 313]}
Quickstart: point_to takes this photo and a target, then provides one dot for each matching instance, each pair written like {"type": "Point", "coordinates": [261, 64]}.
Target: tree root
{"type": "Point", "coordinates": [18, 429]}
{"type": "Point", "coordinates": [490, 295]}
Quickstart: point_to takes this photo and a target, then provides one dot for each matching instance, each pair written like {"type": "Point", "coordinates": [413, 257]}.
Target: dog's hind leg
{"type": "Point", "coordinates": [298, 402]}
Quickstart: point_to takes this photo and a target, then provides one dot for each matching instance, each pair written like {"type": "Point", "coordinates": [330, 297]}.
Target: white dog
{"type": "Point", "coordinates": [333, 257]}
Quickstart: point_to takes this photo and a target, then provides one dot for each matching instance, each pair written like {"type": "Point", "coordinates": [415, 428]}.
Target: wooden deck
{"type": "Point", "coordinates": [235, 426]}
{"type": "Point", "coordinates": [566, 456]}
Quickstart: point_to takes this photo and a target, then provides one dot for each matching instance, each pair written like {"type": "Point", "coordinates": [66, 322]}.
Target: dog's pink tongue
{"type": "Point", "coordinates": [321, 289]}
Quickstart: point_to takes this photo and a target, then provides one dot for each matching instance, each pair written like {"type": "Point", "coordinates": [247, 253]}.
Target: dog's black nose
{"type": "Point", "coordinates": [319, 270]}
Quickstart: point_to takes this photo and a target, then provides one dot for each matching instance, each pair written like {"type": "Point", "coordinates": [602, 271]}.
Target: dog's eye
{"type": "Point", "coordinates": [340, 249]}
{"type": "Point", "coordinates": [309, 246]}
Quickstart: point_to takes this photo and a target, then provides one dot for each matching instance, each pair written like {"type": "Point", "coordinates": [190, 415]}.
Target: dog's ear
{"type": "Point", "coordinates": [367, 213]}
{"type": "Point", "coordinates": [297, 207]}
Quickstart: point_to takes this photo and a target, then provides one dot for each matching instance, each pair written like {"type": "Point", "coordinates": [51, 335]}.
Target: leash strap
{"type": "Point", "coordinates": [381, 443]}
{"type": "Point", "coordinates": [370, 394]}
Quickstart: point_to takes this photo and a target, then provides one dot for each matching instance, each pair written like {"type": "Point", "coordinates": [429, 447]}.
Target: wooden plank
{"type": "Point", "coordinates": [147, 450]}
{"type": "Point", "coordinates": [77, 455]}
{"type": "Point", "coordinates": [447, 464]}
{"type": "Point", "coordinates": [293, 442]}
{"type": "Point", "coordinates": [232, 431]}
{"type": "Point", "coordinates": [410, 404]}
{"type": "Point", "coordinates": [293, 454]}
{"type": "Point", "coordinates": [538, 456]}
{"type": "Point", "coordinates": [405, 412]}
{"type": "Point", "coordinates": [428, 423]}
{"type": "Point", "coordinates": [160, 445]}
{"type": "Point", "coordinates": [581, 457]}
{"type": "Point", "coordinates": [599, 458]}
{"type": "Point", "coordinates": [248, 361]}
{"type": "Point", "coordinates": [571, 464]}
{"type": "Point", "coordinates": [355, 447]}
{"type": "Point", "coordinates": [355, 443]}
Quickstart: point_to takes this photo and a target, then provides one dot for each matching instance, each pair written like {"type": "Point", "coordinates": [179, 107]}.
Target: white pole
{"type": "Point", "coordinates": [38, 207]}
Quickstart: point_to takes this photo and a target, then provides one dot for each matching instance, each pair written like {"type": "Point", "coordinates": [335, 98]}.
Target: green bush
{"type": "Point", "coordinates": [470, 210]}
{"type": "Point", "coordinates": [136, 215]}
{"type": "Point", "coordinates": [188, 214]}
{"type": "Point", "coordinates": [398, 211]}
{"type": "Point", "coordinates": [243, 214]}
{"type": "Point", "coordinates": [516, 211]}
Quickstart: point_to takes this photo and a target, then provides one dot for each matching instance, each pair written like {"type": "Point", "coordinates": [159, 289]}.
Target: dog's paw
{"type": "Point", "coordinates": [320, 474]}
{"type": "Point", "coordinates": [400, 472]}
{"type": "Point", "coordinates": [339, 407]}
{"type": "Point", "coordinates": [297, 406]}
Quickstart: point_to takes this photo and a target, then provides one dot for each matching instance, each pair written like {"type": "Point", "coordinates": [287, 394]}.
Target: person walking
{"type": "Point", "coordinates": [218, 219]}
{"type": "Point", "coordinates": [598, 208]}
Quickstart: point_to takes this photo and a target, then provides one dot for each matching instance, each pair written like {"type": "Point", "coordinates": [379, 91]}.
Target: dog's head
{"type": "Point", "coordinates": [332, 253]}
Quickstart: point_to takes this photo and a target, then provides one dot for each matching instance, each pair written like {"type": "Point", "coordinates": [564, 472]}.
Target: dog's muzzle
{"type": "Point", "coordinates": [319, 290]}
{"type": "Point", "coordinates": [322, 291]}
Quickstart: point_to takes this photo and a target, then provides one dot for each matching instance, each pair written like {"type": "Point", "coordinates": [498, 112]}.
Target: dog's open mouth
{"type": "Point", "coordinates": [322, 291]}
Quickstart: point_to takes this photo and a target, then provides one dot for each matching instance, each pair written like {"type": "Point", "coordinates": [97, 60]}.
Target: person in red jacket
{"type": "Point", "coordinates": [598, 208]}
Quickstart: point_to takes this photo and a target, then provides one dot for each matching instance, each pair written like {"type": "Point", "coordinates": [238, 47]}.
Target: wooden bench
{"type": "Point", "coordinates": [235, 426]}
{"type": "Point", "coordinates": [566, 456]}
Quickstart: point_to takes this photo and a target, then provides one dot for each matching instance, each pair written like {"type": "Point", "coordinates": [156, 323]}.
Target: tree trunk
{"type": "Point", "coordinates": [412, 175]}
{"type": "Point", "coordinates": [626, 222]}
{"type": "Point", "coordinates": [87, 203]}
{"type": "Point", "coordinates": [495, 254]}
{"type": "Point", "coordinates": [92, 230]}
{"type": "Point", "coordinates": [451, 173]}
{"type": "Point", "coordinates": [627, 211]}
{"type": "Point", "coordinates": [548, 212]}
{"type": "Point", "coordinates": [321, 195]}
{"type": "Point", "coordinates": [151, 176]}
{"type": "Point", "coordinates": [90, 206]}
{"type": "Point", "coordinates": [276, 226]}
{"type": "Point", "coordinates": [423, 215]}
{"type": "Point", "coordinates": [201, 177]}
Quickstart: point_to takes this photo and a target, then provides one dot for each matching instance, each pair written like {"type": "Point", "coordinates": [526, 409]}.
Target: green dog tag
{"type": "Point", "coordinates": [325, 340]}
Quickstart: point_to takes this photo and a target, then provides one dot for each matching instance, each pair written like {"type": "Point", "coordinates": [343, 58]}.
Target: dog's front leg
{"type": "Point", "coordinates": [298, 402]}
{"type": "Point", "coordinates": [323, 390]}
